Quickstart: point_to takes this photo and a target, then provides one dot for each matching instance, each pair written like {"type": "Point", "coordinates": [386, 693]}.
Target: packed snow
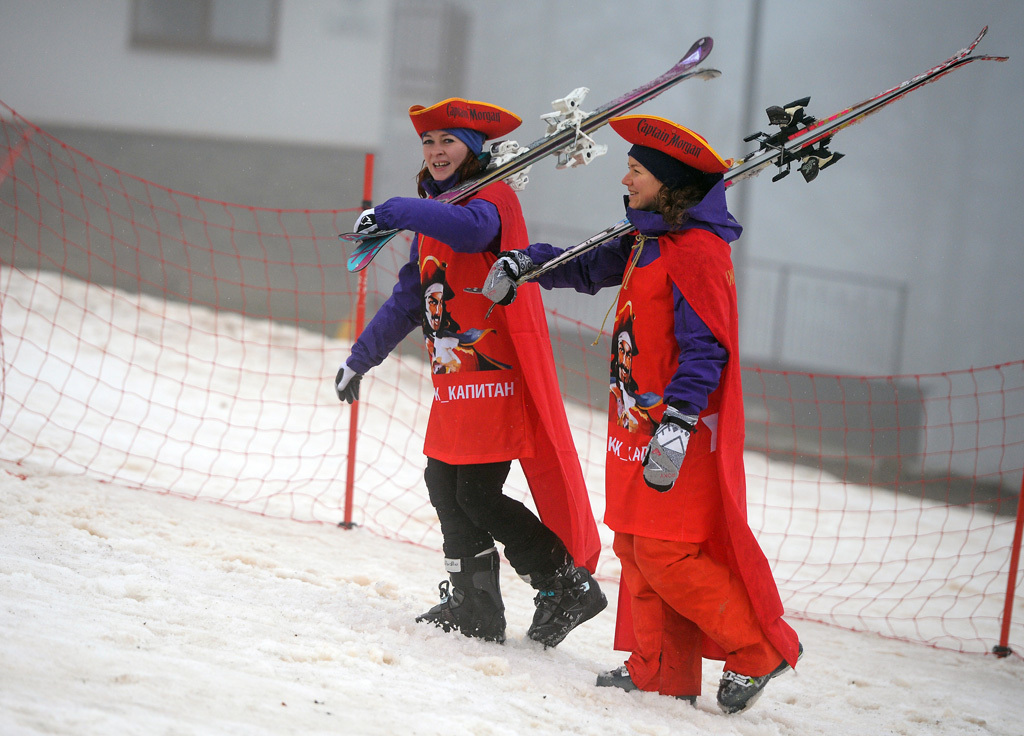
{"type": "Point", "coordinates": [132, 612]}
{"type": "Point", "coordinates": [129, 612]}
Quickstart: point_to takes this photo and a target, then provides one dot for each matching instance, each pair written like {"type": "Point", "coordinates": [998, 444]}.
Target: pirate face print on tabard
{"type": "Point", "coordinates": [451, 349]}
{"type": "Point", "coordinates": [632, 406]}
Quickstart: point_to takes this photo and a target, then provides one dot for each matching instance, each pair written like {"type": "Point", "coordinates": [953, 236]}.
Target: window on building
{"type": "Point", "coordinates": [242, 27]}
{"type": "Point", "coordinates": [430, 48]}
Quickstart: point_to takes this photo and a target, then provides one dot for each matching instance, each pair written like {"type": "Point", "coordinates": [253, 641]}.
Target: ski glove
{"type": "Point", "coordinates": [346, 383]}
{"type": "Point", "coordinates": [664, 455]}
{"type": "Point", "coordinates": [366, 223]}
{"type": "Point", "coordinates": [500, 285]}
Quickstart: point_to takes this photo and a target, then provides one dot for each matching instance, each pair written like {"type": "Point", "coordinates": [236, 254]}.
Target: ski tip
{"type": "Point", "coordinates": [986, 57]}
{"type": "Point", "coordinates": [976, 41]}
{"type": "Point", "coordinates": [360, 238]}
{"type": "Point", "coordinates": [366, 251]}
{"type": "Point", "coordinates": [356, 264]}
{"type": "Point", "coordinates": [698, 52]}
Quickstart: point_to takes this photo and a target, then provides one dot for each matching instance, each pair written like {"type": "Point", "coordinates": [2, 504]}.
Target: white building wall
{"type": "Point", "coordinates": [70, 62]}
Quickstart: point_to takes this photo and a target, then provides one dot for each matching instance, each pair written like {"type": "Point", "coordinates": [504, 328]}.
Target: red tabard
{"type": "Point", "coordinates": [478, 414]}
{"type": "Point", "coordinates": [686, 513]}
{"type": "Point", "coordinates": [708, 502]}
{"type": "Point", "coordinates": [496, 394]}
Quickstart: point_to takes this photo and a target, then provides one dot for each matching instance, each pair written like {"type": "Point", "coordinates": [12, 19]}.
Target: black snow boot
{"type": "Point", "coordinates": [472, 604]}
{"type": "Point", "coordinates": [738, 692]}
{"type": "Point", "coordinates": [564, 601]}
{"type": "Point", "coordinates": [620, 678]}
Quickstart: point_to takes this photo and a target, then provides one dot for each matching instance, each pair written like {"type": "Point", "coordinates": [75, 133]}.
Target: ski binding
{"type": "Point", "coordinates": [504, 151]}
{"type": "Point", "coordinates": [791, 119]}
{"type": "Point", "coordinates": [579, 152]}
{"type": "Point", "coordinates": [567, 114]}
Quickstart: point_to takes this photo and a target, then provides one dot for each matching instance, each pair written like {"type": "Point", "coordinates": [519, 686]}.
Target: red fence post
{"type": "Point", "coordinates": [1003, 650]}
{"type": "Point", "coordinates": [353, 425]}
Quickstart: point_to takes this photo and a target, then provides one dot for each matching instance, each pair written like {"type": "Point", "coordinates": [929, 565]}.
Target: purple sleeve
{"type": "Point", "coordinates": [468, 228]}
{"type": "Point", "coordinates": [589, 273]}
{"type": "Point", "coordinates": [701, 361]}
{"type": "Point", "coordinates": [396, 318]}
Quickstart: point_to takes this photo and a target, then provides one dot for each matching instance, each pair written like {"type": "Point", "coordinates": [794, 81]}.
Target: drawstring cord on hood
{"type": "Point", "coordinates": [635, 251]}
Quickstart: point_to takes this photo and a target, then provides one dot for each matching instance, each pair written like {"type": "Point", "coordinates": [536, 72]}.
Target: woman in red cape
{"type": "Point", "coordinates": [695, 582]}
{"type": "Point", "coordinates": [496, 396]}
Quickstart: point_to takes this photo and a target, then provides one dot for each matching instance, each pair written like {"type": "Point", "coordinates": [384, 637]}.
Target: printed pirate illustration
{"type": "Point", "coordinates": [632, 407]}
{"type": "Point", "coordinates": [451, 349]}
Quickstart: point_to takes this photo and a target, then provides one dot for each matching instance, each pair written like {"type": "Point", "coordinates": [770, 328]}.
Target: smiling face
{"type": "Point", "coordinates": [641, 184]}
{"type": "Point", "coordinates": [443, 153]}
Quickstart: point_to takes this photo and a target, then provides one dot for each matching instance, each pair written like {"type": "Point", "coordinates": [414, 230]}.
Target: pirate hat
{"type": "Point", "coordinates": [434, 277]}
{"type": "Point", "coordinates": [673, 140]}
{"type": "Point", "coordinates": [455, 112]}
{"type": "Point", "coordinates": [624, 324]}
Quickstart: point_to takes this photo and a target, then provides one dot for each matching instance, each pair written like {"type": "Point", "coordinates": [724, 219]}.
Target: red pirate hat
{"type": "Point", "coordinates": [671, 139]}
{"type": "Point", "coordinates": [434, 277]}
{"type": "Point", "coordinates": [624, 323]}
{"type": "Point", "coordinates": [455, 112]}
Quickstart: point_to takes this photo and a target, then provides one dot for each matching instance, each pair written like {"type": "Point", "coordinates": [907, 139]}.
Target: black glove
{"type": "Point", "coordinates": [500, 285]}
{"type": "Point", "coordinates": [346, 383]}
{"type": "Point", "coordinates": [664, 455]}
{"type": "Point", "coordinates": [366, 223]}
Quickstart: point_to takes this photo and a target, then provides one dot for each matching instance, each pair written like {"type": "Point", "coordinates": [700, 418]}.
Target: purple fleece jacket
{"type": "Point", "coordinates": [701, 356]}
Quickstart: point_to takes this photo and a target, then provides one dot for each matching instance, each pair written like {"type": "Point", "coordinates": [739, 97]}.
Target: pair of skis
{"type": "Point", "coordinates": [800, 138]}
{"type": "Point", "coordinates": [567, 136]}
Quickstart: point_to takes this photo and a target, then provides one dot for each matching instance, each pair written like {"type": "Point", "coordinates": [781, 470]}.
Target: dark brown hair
{"type": "Point", "coordinates": [674, 204]}
{"type": "Point", "coordinates": [682, 185]}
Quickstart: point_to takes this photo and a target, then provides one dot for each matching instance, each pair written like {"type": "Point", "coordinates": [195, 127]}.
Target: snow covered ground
{"type": "Point", "coordinates": [125, 611]}
{"type": "Point", "coordinates": [129, 612]}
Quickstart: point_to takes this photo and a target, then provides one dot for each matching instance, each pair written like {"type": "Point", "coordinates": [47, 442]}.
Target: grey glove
{"type": "Point", "coordinates": [500, 285]}
{"type": "Point", "coordinates": [346, 383]}
{"type": "Point", "coordinates": [664, 455]}
{"type": "Point", "coordinates": [366, 223]}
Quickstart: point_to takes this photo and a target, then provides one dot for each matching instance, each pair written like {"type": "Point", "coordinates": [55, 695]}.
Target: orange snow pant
{"type": "Point", "coordinates": [678, 595]}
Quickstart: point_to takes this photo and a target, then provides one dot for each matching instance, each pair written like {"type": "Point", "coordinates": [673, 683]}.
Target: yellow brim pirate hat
{"type": "Point", "coordinates": [673, 140]}
{"type": "Point", "coordinates": [455, 112]}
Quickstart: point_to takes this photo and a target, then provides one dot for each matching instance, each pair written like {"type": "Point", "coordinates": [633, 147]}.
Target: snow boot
{"type": "Point", "coordinates": [472, 603]}
{"type": "Point", "coordinates": [738, 692]}
{"type": "Point", "coordinates": [564, 601]}
{"type": "Point", "coordinates": [620, 678]}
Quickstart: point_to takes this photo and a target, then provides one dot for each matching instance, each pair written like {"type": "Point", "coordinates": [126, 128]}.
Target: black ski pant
{"type": "Point", "coordinates": [474, 513]}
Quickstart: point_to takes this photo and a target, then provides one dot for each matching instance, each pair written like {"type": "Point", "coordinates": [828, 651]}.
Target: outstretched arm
{"type": "Point", "coordinates": [466, 228]}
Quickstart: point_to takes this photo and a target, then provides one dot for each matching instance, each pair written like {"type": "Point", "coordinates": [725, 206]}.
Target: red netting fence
{"type": "Point", "coordinates": [182, 345]}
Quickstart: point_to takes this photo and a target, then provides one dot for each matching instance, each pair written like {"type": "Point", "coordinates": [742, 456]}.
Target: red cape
{"type": "Point", "coordinates": [700, 265]}
{"type": "Point", "coordinates": [554, 473]}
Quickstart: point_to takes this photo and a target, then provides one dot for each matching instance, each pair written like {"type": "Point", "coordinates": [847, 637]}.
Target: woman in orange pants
{"type": "Point", "coordinates": [696, 582]}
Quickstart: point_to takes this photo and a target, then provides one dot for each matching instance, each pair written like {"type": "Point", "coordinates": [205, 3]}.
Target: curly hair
{"type": "Point", "coordinates": [674, 204]}
{"type": "Point", "coordinates": [468, 168]}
